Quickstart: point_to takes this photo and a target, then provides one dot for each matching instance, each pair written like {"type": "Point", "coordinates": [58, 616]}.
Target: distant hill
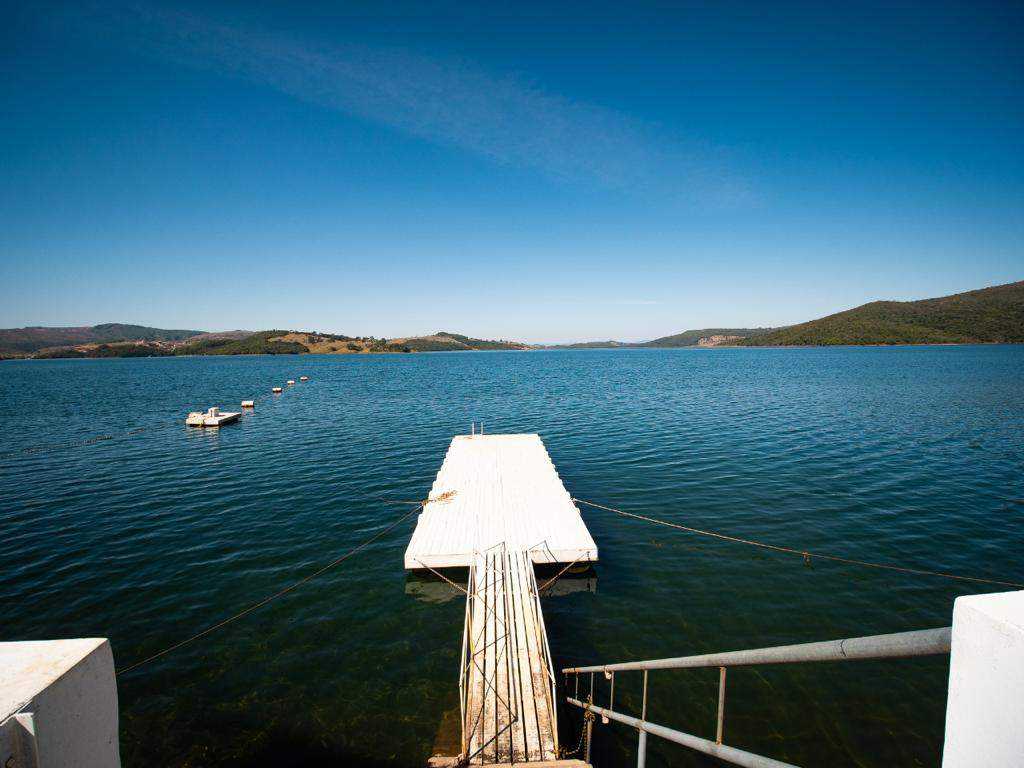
{"type": "Point", "coordinates": [329, 343]}
{"type": "Point", "coordinates": [443, 341]}
{"type": "Point", "coordinates": [260, 343]}
{"type": "Point", "coordinates": [693, 338]}
{"type": "Point", "coordinates": [593, 345]}
{"type": "Point", "coordinates": [711, 337]}
{"type": "Point", "coordinates": [983, 316]}
{"type": "Point", "coordinates": [21, 341]}
{"type": "Point", "coordinates": [988, 315]}
{"type": "Point", "coordinates": [116, 340]}
{"type": "Point", "coordinates": [221, 335]}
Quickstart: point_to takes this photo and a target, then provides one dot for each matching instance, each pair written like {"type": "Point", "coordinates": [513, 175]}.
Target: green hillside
{"type": "Point", "coordinates": [34, 338]}
{"type": "Point", "coordinates": [261, 343]}
{"type": "Point", "coordinates": [443, 341]}
{"type": "Point", "coordinates": [117, 340]}
{"type": "Point", "coordinates": [987, 315]}
{"type": "Point", "coordinates": [690, 338]}
{"type": "Point", "coordinates": [685, 339]}
{"type": "Point", "coordinates": [592, 345]}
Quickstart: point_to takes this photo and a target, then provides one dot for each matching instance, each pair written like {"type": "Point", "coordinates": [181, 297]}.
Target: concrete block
{"type": "Point", "coordinates": [58, 704]}
{"type": "Point", "coordinates": [985, 708]}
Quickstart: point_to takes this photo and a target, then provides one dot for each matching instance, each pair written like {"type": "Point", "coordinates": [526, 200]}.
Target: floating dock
{"type": "Point", "coordinates": [214, 417]}
{"type": "Point", "coordinates": [498, 507]}
{"type": "Point", "coordinates": [506, 492]}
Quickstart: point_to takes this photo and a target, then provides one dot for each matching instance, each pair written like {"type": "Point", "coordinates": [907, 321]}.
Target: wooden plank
{"type": "Point", "coordinates": [474, 724]}
{"type": "Point", "coordinates": [507, 714]}
{"type": "Point", "coordinates": [529, 731]}
{"type": "Point", "coordinates": [538, 669]}
{"type": "Point", "coordinates": [490, 715]}
{"type": "Point", "coordinates": [525, 706]}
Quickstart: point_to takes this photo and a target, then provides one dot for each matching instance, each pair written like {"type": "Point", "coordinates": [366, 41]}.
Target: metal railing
{"type": "Point", "coordinates": [926, 642]}
{"type": "Point", "coordinates": [549, 665]}
{"type": "Point", "coordinates": [465, 660]}
{"type": "Point", "coordinates": [477, 572]}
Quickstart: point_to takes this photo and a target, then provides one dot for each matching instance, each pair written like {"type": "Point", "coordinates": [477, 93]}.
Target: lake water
{"type": "Point", "coordinates": [903, 455]}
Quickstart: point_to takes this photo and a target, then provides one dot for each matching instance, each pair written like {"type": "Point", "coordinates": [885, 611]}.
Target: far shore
{"type": "Point", "coordinates": [620, 348]}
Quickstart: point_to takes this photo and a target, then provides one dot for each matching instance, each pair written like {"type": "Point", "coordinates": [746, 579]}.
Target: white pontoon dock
{"type": "Point", "coordinates": [506, 491]}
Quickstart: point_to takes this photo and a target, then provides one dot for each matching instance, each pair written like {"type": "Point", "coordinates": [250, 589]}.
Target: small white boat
{"type": "Point", "coordinates": [212, 418]}
{"type": "Point", "coordinates": [291, 382]}
{"type": "Point", "coordinates": [275, 390]}
{"type": "Point", "coordinates": [248, 403]}
{"type": "Point", "coordinates": [303, 378]}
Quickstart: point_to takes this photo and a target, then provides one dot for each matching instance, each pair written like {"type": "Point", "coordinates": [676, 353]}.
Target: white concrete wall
{"type": "Point", "coordinates": [985, 708]}
{"type": "Point", "coordinates": [69, 688]}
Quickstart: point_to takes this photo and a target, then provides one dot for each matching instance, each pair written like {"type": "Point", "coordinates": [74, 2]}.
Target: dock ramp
{"type": "Point", "coordinates": [507, 682]}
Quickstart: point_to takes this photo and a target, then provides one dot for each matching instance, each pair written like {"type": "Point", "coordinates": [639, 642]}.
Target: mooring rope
{"type": "Point", "coordinates": [279, 593]}
{"type": "Point", "coordinates": [585, 557]}
{"type": "Point", "coordinates": [44, 447]}
{"type": "Point", "coordinates": [441, 576]}
{"type": "Point", "coordinates": [806, 554]}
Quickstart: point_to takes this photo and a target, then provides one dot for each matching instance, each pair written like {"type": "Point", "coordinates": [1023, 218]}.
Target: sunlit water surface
{"type": "Point", "coordinates": [912, 456]}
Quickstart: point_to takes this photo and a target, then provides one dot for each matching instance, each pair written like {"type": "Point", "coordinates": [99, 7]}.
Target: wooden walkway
{"type": "Point", "coordinates": [507, 680]}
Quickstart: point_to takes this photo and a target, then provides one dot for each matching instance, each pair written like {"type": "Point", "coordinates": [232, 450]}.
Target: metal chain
{"type": "Point", "coordinates": [587, 715]}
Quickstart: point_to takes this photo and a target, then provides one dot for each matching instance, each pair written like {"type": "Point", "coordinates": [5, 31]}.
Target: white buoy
{"type": "Point", "coordinates": [275, 390]}
{"type": "Point", "coordinates": [248, 403]}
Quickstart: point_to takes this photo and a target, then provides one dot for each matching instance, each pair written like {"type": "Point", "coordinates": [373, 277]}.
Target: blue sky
{"type": "Point", "coordinates": [592, 172]}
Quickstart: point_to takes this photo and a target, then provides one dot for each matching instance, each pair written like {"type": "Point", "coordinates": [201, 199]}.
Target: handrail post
{"type": "Point", "coordinates": [721, 704]}
{"type": "Point", "coordinates": [641, 745]}
{"type": "Point", "coordinates": [643, 706]}
{"type": "Point", "coordinates": [589, 717]}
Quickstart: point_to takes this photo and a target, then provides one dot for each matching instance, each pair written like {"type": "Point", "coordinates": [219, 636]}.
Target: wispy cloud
{"type": "Point", "coordinates": [602, 302]}
{"type": "Point", "coordinates": [452, 103]}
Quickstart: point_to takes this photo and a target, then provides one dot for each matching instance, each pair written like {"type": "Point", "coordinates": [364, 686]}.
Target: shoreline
{"type": "Point", "coordinates": [694, 347]}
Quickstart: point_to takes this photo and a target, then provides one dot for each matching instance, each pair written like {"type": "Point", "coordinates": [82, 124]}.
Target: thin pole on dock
{"type": "Point", "coordinates": [641, 747]}
{"type": "Point", "coordinates": [590, 732]}
{"type": "Point", "coordinates": [721, 704]}
{"type": "Point", "coordinates": [590, 720]}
